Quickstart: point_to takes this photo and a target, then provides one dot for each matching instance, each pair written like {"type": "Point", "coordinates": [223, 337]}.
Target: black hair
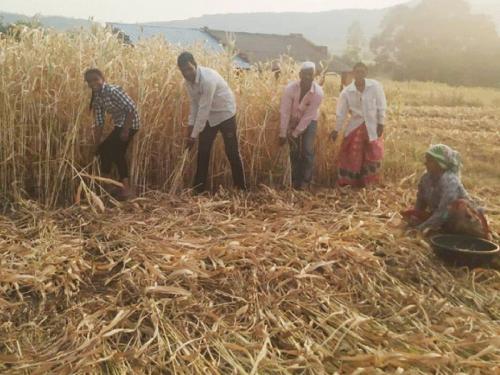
{"type": "Point", "coordinates": [87, 75]}
{"type": "Point", "coordinates": [185, 58]}
{"type": "Point", "coordinates": [360, 65]}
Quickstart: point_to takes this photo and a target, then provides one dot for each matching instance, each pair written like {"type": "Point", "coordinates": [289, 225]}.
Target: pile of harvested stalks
{"type": "Point", "coordinates": [241, 284]}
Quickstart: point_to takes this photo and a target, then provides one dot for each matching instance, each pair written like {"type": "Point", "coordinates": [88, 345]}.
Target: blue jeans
{"type": "Point", "coordinates": [302, 156]}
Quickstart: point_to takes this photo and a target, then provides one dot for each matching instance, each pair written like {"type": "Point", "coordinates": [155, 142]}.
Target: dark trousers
{"type": "Point", "coordinates": [113, 151]}
{"type": "Point", "coordinates": [302, 156]}
{"type": "Point", "coordinates": [206, 140]}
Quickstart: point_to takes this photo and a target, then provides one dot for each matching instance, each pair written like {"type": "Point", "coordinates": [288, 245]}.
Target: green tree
{"type": "Point", "coordinates": [124, 38]}
{"type": "Point", "coordinates": [14, 29]}
{"type": "Point", "coordinates": [32, 23]}
{"type": "Point", "coordinates": [355, 44]}
{"type": "Point", "coordinates": [3, 27]}
{"type": "Point", "coordinates": [439, 40]}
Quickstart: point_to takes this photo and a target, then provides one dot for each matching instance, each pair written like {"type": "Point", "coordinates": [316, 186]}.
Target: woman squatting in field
{"type": "Point", "coordinates": [112, 99]}
{"type": "Point", "coordinates": [442, 201]}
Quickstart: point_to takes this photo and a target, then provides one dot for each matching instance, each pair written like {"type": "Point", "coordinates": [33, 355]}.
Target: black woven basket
{"type": "Point", "coordinates": [464, 250]}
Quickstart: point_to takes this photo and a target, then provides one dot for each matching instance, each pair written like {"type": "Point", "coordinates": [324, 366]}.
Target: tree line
{"type": "Point", "coordinates": [436, 40]}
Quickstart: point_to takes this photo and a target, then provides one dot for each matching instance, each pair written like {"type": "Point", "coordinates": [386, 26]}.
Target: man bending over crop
{"type": "Point", "coordinates": [107, 98]}
{"type": "Point", "coordinates": [299, 115]}
{"type": "Point", "coordinates": [213, 109]}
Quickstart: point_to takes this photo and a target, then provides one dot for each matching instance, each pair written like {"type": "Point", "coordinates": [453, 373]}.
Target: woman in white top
{"type": "Point", "coordinates": [362, 149]}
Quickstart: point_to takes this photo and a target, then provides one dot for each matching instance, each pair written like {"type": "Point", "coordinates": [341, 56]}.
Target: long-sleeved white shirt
{"type": "Point", "coordinates": [212, 100]}
{"type": "Point", "coordinates": [367, 107]}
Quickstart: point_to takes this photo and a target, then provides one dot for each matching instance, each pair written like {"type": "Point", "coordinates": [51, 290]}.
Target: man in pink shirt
{"type": "Point", "coordinates": [299, 115]}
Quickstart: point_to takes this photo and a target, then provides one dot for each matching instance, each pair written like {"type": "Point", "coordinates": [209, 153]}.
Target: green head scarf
{"type": "Point", "coordinates": [446, 157]}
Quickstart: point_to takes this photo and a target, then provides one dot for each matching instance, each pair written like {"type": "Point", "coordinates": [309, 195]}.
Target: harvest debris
{"type": "Point", "coordinates": [274, 282]}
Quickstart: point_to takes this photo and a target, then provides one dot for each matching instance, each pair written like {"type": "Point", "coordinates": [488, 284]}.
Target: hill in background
{"type": "Point", "coordinates": [57, 22]}
{"type": "Point", "coordinates": [323, 28]}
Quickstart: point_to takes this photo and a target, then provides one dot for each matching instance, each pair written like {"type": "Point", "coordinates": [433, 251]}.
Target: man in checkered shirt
{"type": "Point", "coordinates": [112, 99]}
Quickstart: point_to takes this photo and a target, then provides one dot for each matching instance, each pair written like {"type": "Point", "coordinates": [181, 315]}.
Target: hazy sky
{"type": "Point", "coordinates": [165, 10]}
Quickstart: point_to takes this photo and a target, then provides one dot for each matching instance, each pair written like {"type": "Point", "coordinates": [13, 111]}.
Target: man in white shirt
{"type": "Point", "coordinates": [299, 119]}
{"type": "Point", "coordinates": [362, 149]}
{"type": "Point", "coordinates": [213, 109]}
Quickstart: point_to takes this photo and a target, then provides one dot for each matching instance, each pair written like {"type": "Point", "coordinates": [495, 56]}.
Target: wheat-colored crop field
{"type": "Point", "coordinates": [271, 281]}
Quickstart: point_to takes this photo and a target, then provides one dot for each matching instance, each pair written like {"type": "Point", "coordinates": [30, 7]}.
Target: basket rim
{"type": "Point", "coordinates": [464, 251]}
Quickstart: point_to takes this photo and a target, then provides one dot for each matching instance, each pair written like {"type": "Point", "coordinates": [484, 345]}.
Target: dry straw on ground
{"type": "Point", "coordinates": [267, 283]}
{"type": "Point", "coordinates": [263, 283]}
